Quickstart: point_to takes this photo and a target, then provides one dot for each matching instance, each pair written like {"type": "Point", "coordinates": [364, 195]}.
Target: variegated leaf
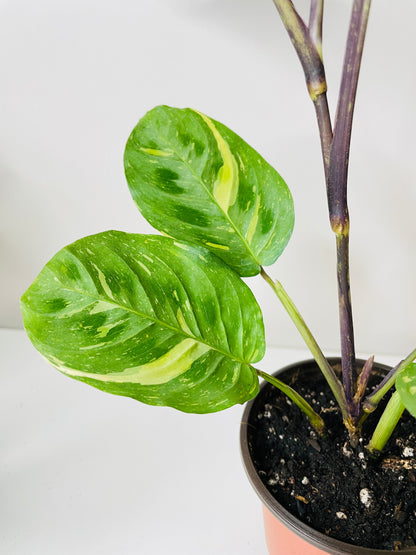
{"type": "Point", "coordinates": [406, 386]}
{"type": "Point", "coordinates": [143, 316]}
{"type": "Point", "coordinates": [196, 180]}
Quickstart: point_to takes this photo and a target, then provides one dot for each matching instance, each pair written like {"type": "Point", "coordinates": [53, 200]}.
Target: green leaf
{"type": "Point", "coordinates": [194, 179]}
{"type": "Point", "coordinates": [149, 318]}
{"type": "Point", "coordinates": [406, 386]}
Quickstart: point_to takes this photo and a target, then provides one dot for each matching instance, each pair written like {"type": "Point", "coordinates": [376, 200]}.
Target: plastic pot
{"type": "Point", "coordinates": [285, 533]}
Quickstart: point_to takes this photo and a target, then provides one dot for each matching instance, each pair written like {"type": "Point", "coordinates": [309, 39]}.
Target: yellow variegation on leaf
{"type": "Point", "coordinates": [146, 317]}
{"type": "Point", "coordinates": [196, 180]}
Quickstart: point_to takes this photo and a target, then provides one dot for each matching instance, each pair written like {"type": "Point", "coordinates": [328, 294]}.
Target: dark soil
{"type": "Point", "coordinates": [335, 488]}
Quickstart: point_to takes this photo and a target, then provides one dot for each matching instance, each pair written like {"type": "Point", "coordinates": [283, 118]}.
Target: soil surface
{"type": "Point", "coordinates": [335, 488]}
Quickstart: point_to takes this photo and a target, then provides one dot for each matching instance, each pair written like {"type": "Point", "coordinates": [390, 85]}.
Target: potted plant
{"type": "Point", "coordinates": [168, 320]}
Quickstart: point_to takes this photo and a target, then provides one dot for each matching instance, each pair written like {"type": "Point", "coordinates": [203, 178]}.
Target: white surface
{"type": "Point", "coordinates": [85, 472]}
{"type": "Point", "coordinates": [78, 74]}
{"type": "Point", "coordinates": [90, 473]}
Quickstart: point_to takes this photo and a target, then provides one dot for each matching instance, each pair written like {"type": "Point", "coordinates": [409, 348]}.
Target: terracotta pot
{"type": "Point", "coordinates": [285, 533]}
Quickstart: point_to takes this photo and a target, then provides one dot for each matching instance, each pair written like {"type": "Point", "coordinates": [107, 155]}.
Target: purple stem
{"type": "Point", "coordinates": [337, 191]}
{"type": "Point", "coordinates": [315, 23]}
{"type": "Point", "coordinates": [305, 47]}
{"type": "Point", "coordinates": [335, 150]}
{"type": "Point", "coordinates": [340, 149]}
{"type": "Point", "coordinates": [363, 378]}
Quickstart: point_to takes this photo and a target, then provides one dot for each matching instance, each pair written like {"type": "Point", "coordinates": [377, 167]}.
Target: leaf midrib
{"type": "Point", "coordinates": [210, 194]}
{"type": "Point", "coordinates": [154, 320]}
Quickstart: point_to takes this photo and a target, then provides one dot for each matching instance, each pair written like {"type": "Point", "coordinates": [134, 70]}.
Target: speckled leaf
{"type": "Point", "coordinates": [149, 318]}
{"type": "Point", "coordinates": [196, 180]}
{"type": "Point", "coordinates": [406, 386]}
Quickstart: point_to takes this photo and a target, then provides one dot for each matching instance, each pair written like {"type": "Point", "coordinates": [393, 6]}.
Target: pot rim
{"type": "Point", "coordinates": [306, 532]}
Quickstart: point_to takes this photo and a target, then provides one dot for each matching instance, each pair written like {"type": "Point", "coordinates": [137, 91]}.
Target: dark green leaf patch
{"type": "Point", "coordinates": [162, 322]}
{"type": "Point", "coordinates": [200, 183]}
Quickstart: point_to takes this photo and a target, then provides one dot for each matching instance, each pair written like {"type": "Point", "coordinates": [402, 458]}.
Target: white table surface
{"type": "Point", "coordinates": [84, 472]}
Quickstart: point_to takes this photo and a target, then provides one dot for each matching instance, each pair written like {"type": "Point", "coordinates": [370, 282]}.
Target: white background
{"type": "Point", "coordinates": [85, 473]}
{"type": "Point", "coordinates": [76, 76]}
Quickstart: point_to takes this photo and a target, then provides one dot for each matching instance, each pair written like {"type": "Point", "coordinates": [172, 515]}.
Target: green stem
{"type": "Point", "coordinates": [388, 421]}
{"type": "Point", "coordinates": [371, 402]}
{"type": "Point", "coordinates": [314, 418]}
{"type": "Point", "coordinates": [310, 341]}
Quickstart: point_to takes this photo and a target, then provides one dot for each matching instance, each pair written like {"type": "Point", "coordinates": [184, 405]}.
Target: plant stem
{"type": "Point", "coordinates": [363, 378]}
{"type": "Point", "coordinates": [314, 418]}
{"type": "Point", "coordinates": [337, 191]}
{"type": "Point", "coordinates": [316, 15]}
{"type": "Point", "coordinates": [310, 341]}
{"type": "Point", "coordinates": [337, 198]}
{"type": "Point", "coordinates": [349, 372]}
{"type": "Point", "coordinates": [320, 101]}
{"type": "Point", "coordinates": [388, 421]}
{"type": "Point", "coordinates": [371, 402]}
{"type": "Point", "coordinates": [302, 40]}
{"type": "Point", "coordinates": [308, 45]}
{"type": "Point", "coordinates": [325, 130]}
{"type": "Point", "coordinates": [335, 149]}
